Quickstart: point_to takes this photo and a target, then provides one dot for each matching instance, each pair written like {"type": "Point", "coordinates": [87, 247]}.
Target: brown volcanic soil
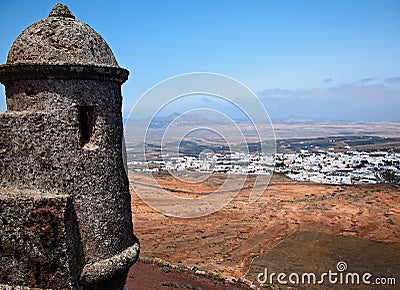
{"type": "Point", "coordinates": [322, 252]}
{"type": "Point", "coordinates": [227, 241]}
{"type": "Point", "coordinates": [145, 276]}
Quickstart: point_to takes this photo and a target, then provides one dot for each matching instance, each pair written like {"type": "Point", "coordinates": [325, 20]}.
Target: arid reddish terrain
{"type": "Point", "coordinates": [227, 241]}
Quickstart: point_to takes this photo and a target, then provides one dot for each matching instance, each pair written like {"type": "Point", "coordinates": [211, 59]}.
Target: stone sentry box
{"type": "Point", "coordinates": [65, 213]}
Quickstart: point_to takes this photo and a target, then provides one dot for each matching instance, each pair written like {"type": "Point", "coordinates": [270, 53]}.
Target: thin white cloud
{"type": "Point", "coordinates": [365, 80]}
{"type": "Point", "coordinates": [393, 80]}
{"type": "Point", "coordinates": [328, 80]}
{"type": "Point", "coordinates": [355, 101]}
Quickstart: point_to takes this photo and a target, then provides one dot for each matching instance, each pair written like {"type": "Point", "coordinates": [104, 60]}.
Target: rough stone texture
{"type": "Point", "coordinates": [34, 71]}
{"type": "Point", "coordinates": [60, 39]}
{"type": "Point", "coordinates": [36, 234]}
{"type": "Point", "coordinates": [62, 133]}
{"type": "Point", "coordinates": [61, 10]}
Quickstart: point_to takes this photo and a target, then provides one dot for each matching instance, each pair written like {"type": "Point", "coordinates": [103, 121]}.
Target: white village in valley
{"type": "Point", "coordinates": [322, 166]}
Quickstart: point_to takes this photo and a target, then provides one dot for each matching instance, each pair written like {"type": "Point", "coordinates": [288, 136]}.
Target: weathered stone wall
{"type": "Point", "coordinates": [34, 148]}
{"type": "Point", "coordinates": [39, 239]}
{"type": "Point", "coordinates": [61, 161]}
{"type": "Point", "coordinates": [43, 149]}
{"type": "Point", "coordinates": [58, 94]}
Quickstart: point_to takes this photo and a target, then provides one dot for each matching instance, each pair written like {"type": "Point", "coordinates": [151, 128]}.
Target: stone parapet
{"type": "Point", "coordinates": [39, 240]}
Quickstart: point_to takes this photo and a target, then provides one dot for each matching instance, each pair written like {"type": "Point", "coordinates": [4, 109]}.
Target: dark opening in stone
{"type": "Point", "coordinates": [87, 121]}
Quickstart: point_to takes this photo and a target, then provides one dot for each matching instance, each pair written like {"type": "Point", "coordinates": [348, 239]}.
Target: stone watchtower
{"type": "Point", "coordinates": [65, 215]}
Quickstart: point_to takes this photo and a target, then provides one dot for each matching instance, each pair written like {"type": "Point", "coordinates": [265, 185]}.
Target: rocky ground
{"type": "Point", "coordinates": [226, 242]}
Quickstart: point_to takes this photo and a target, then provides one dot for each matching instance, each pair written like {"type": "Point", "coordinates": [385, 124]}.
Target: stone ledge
{"type": "Point", "coordinates": [23, 194]}
{"type": "Point", "coordinates": [11, 72]}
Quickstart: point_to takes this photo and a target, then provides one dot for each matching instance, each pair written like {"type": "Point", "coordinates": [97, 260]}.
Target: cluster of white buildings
{"type": "Point", "coordinates": [233, 163]}
{"type": "Point", "coordinates": [330, 167]}
{"type": "Point", "coordinates": [327, 167]}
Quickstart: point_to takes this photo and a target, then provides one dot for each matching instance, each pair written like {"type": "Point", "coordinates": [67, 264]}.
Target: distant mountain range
{"type": "Point", "coordinates": [197, 119]}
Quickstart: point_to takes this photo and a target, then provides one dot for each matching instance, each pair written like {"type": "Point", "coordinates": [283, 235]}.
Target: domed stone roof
{"type": "Point", "coordinates": [59, 39]}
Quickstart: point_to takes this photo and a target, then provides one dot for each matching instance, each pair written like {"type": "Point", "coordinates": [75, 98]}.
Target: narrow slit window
{"type": "Point", "coordinates": [87, 121]}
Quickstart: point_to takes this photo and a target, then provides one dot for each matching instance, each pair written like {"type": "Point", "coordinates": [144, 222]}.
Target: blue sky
{"type": "Point", "coordinates": [323, 60]}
